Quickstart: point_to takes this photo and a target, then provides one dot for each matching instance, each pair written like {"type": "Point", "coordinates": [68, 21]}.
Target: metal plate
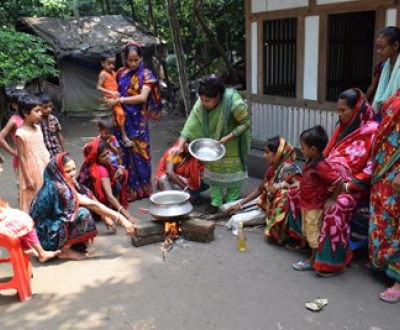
{"type": "Point", "coordinates": [207, 150]}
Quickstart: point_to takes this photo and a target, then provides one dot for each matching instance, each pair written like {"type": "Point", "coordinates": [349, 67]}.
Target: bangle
{"type": "Point", "coordinates": [282, 184]}
{"type": "Point", "coordinates": [346, 187]}
{"type": "Point", "coordinates": [120, 208]}
{"type": "Point", "coordinates": [240, 205]}
{"type": "Point", "coordinates": [121, 100]}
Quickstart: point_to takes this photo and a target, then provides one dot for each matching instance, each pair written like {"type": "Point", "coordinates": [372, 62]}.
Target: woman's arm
{"type": "Point", "coordinates": [255, 193]}
{"type": "Point", "coordinates": [135, 99]}
{"type": "Point", "coordinates": [169, 170]}
{"type": "Point", "coordinates": [23, 164]}
{"type": "Point", "coordinates": [103, 210]}
{"type": "Point", "coordinates": [10, 127]}
{"type": "Point", "coordinates": [113, 201]}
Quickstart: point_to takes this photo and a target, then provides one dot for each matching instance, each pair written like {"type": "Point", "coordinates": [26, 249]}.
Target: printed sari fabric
{"type": "Point", "coordinates": [276, 205]}
{"type": "Point", "coordinates": [137, 159]}
{"type": "Point", "coordinates": [229, 116]}
{"type": "Point", "coordinates": [349, 151]}
{"type": "Point", "coordinates": [59, 220]}
{"type": "Point", "coordinates": [89, 174]}
{"type": "Point", "coordinates": [384, 226]}
{"type": "Point", "coordinates": [188, 168]}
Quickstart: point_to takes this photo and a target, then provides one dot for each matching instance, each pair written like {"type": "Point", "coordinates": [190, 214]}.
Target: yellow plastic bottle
{"type": "Point", "coordinates": [241, 238]}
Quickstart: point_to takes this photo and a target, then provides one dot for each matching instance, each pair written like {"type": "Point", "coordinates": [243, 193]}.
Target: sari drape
{"type": "Point", "coordinates": [59, 220]}
{"type": "Point", "coordinates": [384, 225]}
{"type": "Point", "coordinates": [137, 159]}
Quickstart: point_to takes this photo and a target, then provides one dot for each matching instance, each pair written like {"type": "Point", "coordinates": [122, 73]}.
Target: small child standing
{"type": "Point", "coordinates": [107, 83]}
{"type": "Point", "coordinates": [51, 128]}
{"type": "Point", "coordinates": [11, 127]}
{"type": "Point", "coordinates": [32, 153]}
{"type": "Point", "coordinates": [319, 182]}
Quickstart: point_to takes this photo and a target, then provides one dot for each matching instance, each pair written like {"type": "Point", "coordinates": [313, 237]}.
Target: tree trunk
{"type": "Point", "coordinates": [108, 6]}
{"type": "Point", "coordinates": [76, 8]}
{"type": "Point", "coordinates": [180, 60]}
{"type": "Point", "coordinates": [213, 39]}
{"type": "Point", "coordinates": [103, 8]}
{"type": "Point", "coordinates": [132, 10]}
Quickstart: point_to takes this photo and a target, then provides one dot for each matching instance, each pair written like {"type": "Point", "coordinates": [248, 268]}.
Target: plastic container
{"type": "Point", "coordinates": [241, 238]}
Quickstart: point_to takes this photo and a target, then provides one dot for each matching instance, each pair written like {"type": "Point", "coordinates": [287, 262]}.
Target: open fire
{"type": "Point", "coordinates": [172, 230]}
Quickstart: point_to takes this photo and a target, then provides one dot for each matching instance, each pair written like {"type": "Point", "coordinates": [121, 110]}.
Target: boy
{"type": "Point", "coordinates": [319, 182]}
{"type": "Point", "coordinates": [50, 126]}
{"type": "Point", "coordinates": [105, 125]}
{"type": "Point", "coordinates": [107, 83]}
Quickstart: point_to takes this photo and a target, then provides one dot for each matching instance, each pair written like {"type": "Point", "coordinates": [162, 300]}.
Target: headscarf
{"type": "Point", "coordinates": [362, 113]}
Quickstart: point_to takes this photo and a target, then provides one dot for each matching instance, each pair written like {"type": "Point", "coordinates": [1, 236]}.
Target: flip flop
{"type": "Point", "coordinates": [390, 296]}
{"type": "Point", "coordinates": [316, 305]}
{"type": "Point", "coordinates": [302, 266]}
{"type": "Point", "coordinates": [297, 247]}
{"type": "Point", "coordinates": [126, 145]}
{"type": "Point", "coordinates": [329, 274]}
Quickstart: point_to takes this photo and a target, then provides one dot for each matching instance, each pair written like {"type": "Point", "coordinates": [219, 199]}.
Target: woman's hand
{"type": "Point", "coordinates": [224, 140]}
{"type": "Point", "coordinates": [274, 187]}
{"type": "Point", "coordinates": [124, 222]}
{"type": "Point", "coordinates": [114, 94]}
{"type": "Point", "coordinates": [176, 150]}
{"type": "Point", "coordinates": [30, 184]}
{"type": "Point", "coordinates": [110, 102]}
{"type": "Point", "coordinates": [396, 183]}
{"type": "Point", "coordinates": [233, 209]}
{"type": "Point", "coordinates": [119, 172]}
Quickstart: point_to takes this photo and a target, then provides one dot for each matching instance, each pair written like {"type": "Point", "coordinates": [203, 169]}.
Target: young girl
{"type": "Point", "coordinates": [15, 223]}
{"type": "Point", "coordinates": [33, 155]}
{"type": "Point", "coordinates": [272, 205]}
{"type": "Point", "coordinates": [11, 127]}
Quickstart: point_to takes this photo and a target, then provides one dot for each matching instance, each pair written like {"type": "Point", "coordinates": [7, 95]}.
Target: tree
{"type": "Point", "coordinates": [22, 57]}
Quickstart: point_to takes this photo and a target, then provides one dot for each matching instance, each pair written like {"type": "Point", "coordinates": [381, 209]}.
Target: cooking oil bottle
{"type": "Point", "coordinates": [241, 238]}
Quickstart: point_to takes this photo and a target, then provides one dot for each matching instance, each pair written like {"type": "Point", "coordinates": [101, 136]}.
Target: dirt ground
{"type": "Point", "coordinates": [198, 286]}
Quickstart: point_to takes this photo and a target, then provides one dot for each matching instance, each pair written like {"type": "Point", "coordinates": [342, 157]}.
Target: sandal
{"type": "Point", "coordinates": [316, 305]}
{"type": "Point", "coordinates": [296, 247]}
{"type": "Point", "coordinates": [126, 144]}
{"type": "Point", "coordinates": [302, 266]}
{"type": "Point", "coordinates": [328, 274]}
{"type": "Point", "coordinates": [390, 296]}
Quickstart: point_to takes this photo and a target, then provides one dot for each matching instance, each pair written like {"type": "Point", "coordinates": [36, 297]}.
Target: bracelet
{"type": "Point", "coordinates": [121, 100]}
{"type": "Point", "coordinates": [282, 184]}
{"type": "Point", "coordinates": [346, 187]}
{"type": "Point", "coordinates": [240, 205]}
{"type": "Point", "coordinates": [120, 208]}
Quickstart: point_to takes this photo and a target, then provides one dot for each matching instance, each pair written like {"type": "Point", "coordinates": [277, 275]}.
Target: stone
{"type": "Point", "coordinates": [149, 228]}
{"type": "Point", "coordinates": [138, 241]}
{"type": "Point", "coordinates": [197, 237]}
{"type": "Point", "coordinates": [203, 227]}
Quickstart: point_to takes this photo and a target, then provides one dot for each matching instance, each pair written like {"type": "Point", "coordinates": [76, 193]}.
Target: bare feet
{"type": "Point", "coordinates": [68, 253]}
{"type": "Point", "coordinates": [126, 142]}
{"type": "Point", "coordinates": [32, 253]}
{"type": "Point", "coordinates": [47, 255]}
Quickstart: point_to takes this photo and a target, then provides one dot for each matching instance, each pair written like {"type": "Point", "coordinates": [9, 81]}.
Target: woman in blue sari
{"type": "Point", "coordinates": [140, 100]}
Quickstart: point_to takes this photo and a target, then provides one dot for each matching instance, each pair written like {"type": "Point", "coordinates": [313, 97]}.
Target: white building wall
{"type": "Point", "coordinates": [258, 6]}
{"type": "Point", "coordinates": [311, 50]}
{"type": "Point", "coordinates": [326, 2]}
{"type": "Point", "coordinates": [254, 60]}
{"type": "Point", "coordinates": [391, 17]}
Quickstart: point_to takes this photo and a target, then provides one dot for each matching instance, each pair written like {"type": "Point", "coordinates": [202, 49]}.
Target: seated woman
{"type": "Point", "coordinates": [104, 180]}
{"type": "Point", "coordinates": [272, 205]}
{"type": "Point", "coordinates": [63, 214]}
{"type": "Point", "coordinates": [349, 151]}
{"type": "Point", "coordinates": [180, 172]}
{"type": "Point", "coordinates": [15, 223]}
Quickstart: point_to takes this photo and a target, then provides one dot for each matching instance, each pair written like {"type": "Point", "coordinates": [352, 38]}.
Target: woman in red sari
{"type": "Point", "coordinates": [349, 151]}
{"type": "Point", "coordinates": [384, 226]}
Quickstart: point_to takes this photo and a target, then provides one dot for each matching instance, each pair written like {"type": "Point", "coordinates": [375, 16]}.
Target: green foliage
{"type": "Point", "coordinates": [23, 57]}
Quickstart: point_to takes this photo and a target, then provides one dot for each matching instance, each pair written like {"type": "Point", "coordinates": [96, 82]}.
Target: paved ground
{"type": "Point", "coordinates": [199, 286]}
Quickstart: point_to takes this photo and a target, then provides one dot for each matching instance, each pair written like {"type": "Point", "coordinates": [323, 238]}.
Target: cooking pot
{"type": "Point", "coordinates": [170, 205]}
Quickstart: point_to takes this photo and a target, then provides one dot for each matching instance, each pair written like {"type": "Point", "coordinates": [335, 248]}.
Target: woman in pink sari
{"type": "Point", "coordinates": [349, 150]}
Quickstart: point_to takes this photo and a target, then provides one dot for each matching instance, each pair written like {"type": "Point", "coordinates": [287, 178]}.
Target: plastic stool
{"type": "Point", "coordinates": [22, 268]}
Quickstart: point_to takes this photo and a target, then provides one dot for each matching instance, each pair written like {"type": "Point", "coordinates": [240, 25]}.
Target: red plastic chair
{"type": "Point", "coordinates": [22, 268]}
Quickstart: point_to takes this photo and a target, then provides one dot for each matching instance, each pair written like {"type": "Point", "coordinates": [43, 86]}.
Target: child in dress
{"type": "Point", "coordinates": [50, 126]}
{"type": "Point", "coordinates": [107, 83]}
{"type": "Point", "coordinates": [319, 182]}
{"type": "Point", "coordinates": [33, 155]}
{"type": "Point", "coordinates": [11, 127]}
{"type": "Point", "coordinates": [15, 223]}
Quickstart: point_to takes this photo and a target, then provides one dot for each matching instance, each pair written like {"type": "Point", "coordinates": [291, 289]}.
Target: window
{"type": "Point", "coordinates": [280, 57]}
{"type": "Point", "coordinates": [350, 52]}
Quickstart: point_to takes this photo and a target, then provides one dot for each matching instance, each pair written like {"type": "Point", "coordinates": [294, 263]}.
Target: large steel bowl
{"type": "Point", "coordinates": [170, 205]}
{"type": "Point", "coordinates": [206, 150]}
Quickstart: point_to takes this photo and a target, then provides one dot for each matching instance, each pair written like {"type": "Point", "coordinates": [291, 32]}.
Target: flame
{"type": "Point", "coordinates": [171, 233]}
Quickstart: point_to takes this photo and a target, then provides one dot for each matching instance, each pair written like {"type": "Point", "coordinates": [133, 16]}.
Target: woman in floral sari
{"type": "Point", "coordinates": [272, 204]}
{"type": "Point", "coordinates": [140, 100]}
{"type": "Point", "coordinates": [384, 226]}
{"type": "Point", "coordinates": [62, 210]}
{"type": "Point", "coordinates": [349, 151]}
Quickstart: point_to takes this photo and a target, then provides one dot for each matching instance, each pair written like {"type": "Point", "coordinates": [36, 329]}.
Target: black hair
{"type": "Point", "coordinates": [351, 97]}
{"type": "Point", "coordinates": [26, 103]}
{"type": "Point", "coordinates": [66, 158]}
{"type": "Point", "coordinates": [44, 97]}
{"type": "Point", "coordinates": [315, 137]}
{"type": "Point", "coordinates": [133, 48]}
{"type": "Point", "coordinates": [106, 55]}
{"type": "Point", "coordinates": [15, 94]}
{"type": "Point", "coordinates": [391, 34]}
{"type": "Point", "coordinates": [211, 86]}
{"type": "Point", "coordinates": [273, 143]}
{"type": "Point", "coordinates": [106, 122]}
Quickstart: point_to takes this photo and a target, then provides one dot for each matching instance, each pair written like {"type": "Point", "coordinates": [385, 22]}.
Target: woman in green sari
{"type": "Point", "coordinates": [221, 114]}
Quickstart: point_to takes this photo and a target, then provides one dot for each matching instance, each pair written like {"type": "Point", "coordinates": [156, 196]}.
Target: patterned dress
{"type": "Point", "coordinates": [384, 226]}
